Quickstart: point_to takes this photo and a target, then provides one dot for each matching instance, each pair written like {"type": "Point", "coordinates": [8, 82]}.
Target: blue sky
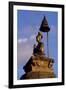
{"type": "Point", "coordinates": [28, 24]}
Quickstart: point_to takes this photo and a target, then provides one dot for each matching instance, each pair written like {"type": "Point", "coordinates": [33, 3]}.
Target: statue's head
{"type": "Point", "coordinates": [39, 37]}
{"type": "Point", "coordinates": [40, 33]}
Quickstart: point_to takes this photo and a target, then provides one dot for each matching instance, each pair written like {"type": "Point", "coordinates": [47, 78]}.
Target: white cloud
{"type": "Point", "coordinates": [24, 52]}
{"type": "Point", "coordinates": [22, 40]}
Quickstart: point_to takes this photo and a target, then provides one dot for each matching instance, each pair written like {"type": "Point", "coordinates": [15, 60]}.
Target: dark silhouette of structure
{"type": "Point", "coordinates": [45, 28]}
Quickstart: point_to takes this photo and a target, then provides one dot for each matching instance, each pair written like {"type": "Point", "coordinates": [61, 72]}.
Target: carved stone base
{"type": "Point", "coordinates": [37, 75]}
{"type": "Point", "coordinates": [38, 67]}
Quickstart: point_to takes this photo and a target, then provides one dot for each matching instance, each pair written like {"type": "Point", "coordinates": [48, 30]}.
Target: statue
{"type": "Point", "coordinates": [39, 37]}
{"type": "Point", "coordinates": [39, 48]}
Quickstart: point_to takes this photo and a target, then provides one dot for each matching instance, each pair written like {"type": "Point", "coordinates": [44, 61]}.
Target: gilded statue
{"type": "Point", "coordinates": [39, 48]}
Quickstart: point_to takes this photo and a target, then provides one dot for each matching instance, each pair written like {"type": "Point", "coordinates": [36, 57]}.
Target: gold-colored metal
{"type": "Point", "coordinates": [39, 37]}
